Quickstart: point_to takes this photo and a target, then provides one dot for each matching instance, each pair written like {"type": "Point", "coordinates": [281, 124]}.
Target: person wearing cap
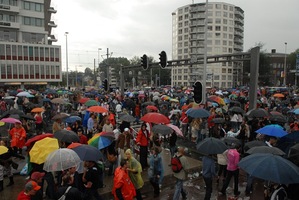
{"type": "Point", "coordinates": [18, 137]}
{"type": "Point", "coordinates": [38, 178]}
{"type": "Point", "coordinates": [30, 190]}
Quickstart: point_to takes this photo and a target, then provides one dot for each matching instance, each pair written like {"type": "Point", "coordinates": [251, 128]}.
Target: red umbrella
{"type": "Point", "coordinates": [97, 109]}
{"type": "Point", "coordinates": [84, 100]}
{"type": "Point", "coordinates": [74, 145]}
{"type": "Point", "coordinates": [155, 118]}
{"type": "Point", "coordinates": [151, 107]}
{"type": "Point", "coordinates": [37, 138]}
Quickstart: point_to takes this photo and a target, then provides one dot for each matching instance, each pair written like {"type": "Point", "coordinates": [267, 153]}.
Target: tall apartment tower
{"type": "Point", "coordinates": [225, 27]}
{"type": "Point", "coordinates": [27, 56]}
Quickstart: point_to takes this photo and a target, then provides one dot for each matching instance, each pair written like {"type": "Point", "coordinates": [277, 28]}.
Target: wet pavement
{"type": "Point", "coordinates": [194, 185]}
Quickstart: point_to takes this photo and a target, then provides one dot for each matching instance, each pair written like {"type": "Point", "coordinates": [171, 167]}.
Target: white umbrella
{"type": "Point", "coordinates": [61, 159]}
{"type": "Point", "coordinates": [23, 94]}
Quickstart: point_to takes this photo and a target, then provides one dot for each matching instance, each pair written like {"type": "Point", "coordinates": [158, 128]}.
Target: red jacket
{"type": "Point", "coordinates": [142, 139]}
{"type": "Point", "coordinates": [123, 181]}
{"type": "Point", "coordinates": [18, 137]}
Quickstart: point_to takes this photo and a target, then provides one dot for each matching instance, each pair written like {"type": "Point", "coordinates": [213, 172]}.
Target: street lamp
{"type": "Point", "coordinates": [285, 65]}
{"type": "Point", "coordinates": [99, 49]}
{"type": "Point", "coordinates": [67, 62]}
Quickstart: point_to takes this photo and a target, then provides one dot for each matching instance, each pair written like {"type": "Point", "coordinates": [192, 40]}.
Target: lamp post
{"type": "Point", "coordinates": [285, 65]}
{"type": "Point", "coordinates": [67, 62]}
{"type": "Point", "coordinates": [204, 82]}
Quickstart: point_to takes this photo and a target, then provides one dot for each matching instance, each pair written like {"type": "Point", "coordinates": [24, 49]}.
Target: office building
{"type": "Point", "coordinates": [225, 27]}
{"type": "Point", "coordinates": [27, 55]}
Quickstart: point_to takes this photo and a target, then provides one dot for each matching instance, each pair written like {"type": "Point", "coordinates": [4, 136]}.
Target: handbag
{"type": "Point", "coordinates": [65, 193]}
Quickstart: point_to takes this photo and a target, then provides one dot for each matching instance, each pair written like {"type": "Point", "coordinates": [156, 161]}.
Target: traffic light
{"type": "Point", "coordinates": [197, 92]}
{"type": "Point", "coordinates": [144, 62]}
{"type": "Point", "coordinates": [105, 84]}
{"type": "Point", "coordinates": [163, 59]}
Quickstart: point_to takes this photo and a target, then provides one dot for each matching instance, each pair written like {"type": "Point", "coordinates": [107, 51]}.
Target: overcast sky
{"type": "Point", "coordinates": [135, 27]}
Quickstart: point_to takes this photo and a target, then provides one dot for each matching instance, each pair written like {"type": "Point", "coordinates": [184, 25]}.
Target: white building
{"type": "Point", "coordinates": [27, 56]}
{"type": "Point", "coordinates": [225, 27]}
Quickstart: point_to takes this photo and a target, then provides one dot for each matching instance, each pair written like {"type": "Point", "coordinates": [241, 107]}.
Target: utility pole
{"type": "Point", "coordinates": [108, 74]}
{"type": "Point", "coordinates": [94, 72]}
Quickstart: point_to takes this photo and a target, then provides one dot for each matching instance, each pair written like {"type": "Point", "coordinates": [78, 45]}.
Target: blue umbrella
{"type": "Point", "coordinates": [270, 167]}
{"type": "Point", "coordinates": [197, 113]}
{"type": "Point", "coordinates": [72, 119]}
{"type": "Point", "coordinates": [296, 111]}
{"type": "Point", "coordinates": [272, 130]}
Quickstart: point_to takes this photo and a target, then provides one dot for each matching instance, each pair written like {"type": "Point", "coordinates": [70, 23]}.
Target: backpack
{"type": "Point", "coordinates": [176, 164]}
{"type": "Point", "coordinates": [65, 193]}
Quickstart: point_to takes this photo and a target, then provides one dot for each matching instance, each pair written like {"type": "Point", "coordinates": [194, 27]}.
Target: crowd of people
{"type": "Point", "coordinates": [133, 152]}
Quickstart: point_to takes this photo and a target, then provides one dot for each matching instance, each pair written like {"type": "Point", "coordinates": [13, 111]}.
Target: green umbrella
{"type": "Point", "coordinates": [91, 103]}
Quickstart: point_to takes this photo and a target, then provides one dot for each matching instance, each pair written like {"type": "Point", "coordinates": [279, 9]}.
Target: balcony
{"type": "Point", "coordinates": [52, 24]}
{"type": "Point", "coordinates": [52, 38]}
{"type": "Point", "coordinates": [239, 34]}
{"type": "Point", "coordinates": [8, 8]}
{"type": "Point", "coordinates": [52, 10]}
{"type": "Point", "coordinates": [13, 25]}
{"type": "Point", "coordinates": [238, 27]}
{"type": "Point", "coordinates": [238, 47]}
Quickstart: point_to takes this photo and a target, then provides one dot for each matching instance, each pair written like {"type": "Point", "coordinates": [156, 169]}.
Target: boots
{"type": "Point", "coordinates": [1, 185]}
{"type": "Point", "coordinates": [11, 182]}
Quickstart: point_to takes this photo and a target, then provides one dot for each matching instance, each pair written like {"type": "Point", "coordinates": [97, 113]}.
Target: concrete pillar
{"type": "Point", "coordinates": [254, 73]}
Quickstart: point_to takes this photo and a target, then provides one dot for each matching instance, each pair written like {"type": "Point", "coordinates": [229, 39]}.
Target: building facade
{"type": "Point", "coordinates": [225, 27]}
{"type": "Point", "coordinates": [27, 56]}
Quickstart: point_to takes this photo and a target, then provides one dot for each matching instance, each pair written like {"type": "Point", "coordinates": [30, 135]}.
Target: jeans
{"type": "Point", "coordinates": [249, 184]}
{"type": "Point", "coordinates": [179, 190]}
{"type": "Point", "coordinates": [229, 175]}
{"type": "Point", "coordinates": [172, 150]}
{"type": "Point", "coordinates": [209, 187]}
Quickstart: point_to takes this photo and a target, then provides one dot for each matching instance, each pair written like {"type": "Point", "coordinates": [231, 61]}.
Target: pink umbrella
{"type": "Point", "coordinates": [176, 129]}
{"type": "Point", "coordinates": [10, 120]}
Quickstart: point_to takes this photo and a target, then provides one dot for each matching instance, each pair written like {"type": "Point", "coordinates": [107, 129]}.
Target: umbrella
{"type": "Point", "coordinates": [24, 94]}
{"type": "Point", "coordinates": [91, 103]}
{"type": "Point", "coordinates": [60, 116]}
{"type": "Point", "coordinates": [278, 95]}
{"type": "Point", "coordinates": [110, 134]}
{"type": "Point", "coordinates": [236, 109]}
{"type": "Point", "coordinates": [127, 118]}
{"type": "Point", "coordinates": [66, 136]}
{"type": "Point", "coordinates": [12, 112]}
{"type": "Point", "coordinates": [257, 113]}
{"type": "Point", "coordinates": [10, 120]}
{"type": "Point", "coordinates": [231, 140]}
{"type": "Point", "coordinates": [266, 149]}
{"type": "Point", "coordinates": [37, 138]}
{"type": "Point", "coordinates": [42, 148]}
{"type": "Point", "coordinates": [255, 143]}
{"type": "Point", "coordinates": [37, 110]}
{"type": "Point", "coordinates": [97, 109]}
{"type": "Point", "coordinates": [9, 97]}
{"type": "Point", "coordinates": [176, 129]}
{"type": "Point", "coordinates": [58, 101]}
{"type": "Point", "coordinates": [61, 159]}
{"type": "Point", "coordinates": [151, 107]}
{"type": "Point", "coordinates": [162, 129]}
{"type": "Point", "coordinates": [272, 130]}
{"type": "Point", "coordinates": [293, 154]}
{"type": "Point", "coordinates": [278, 118]}
{"type": "Point", "coordinates": [147, 103]}
{"type": "Point", "coordinates": [155, 118]}
{"type": "Point", "coordinates": [99, 141]}
{"type": "Point", "coordinates": [84, 100]}
{"type": "Point", "coordinates": [216, 99]}
{"type": "Point", "coordinates": [72, 119]}
{"type": "Point", "coordinates": [3, 150]}
{"type": "Point", "coordinates": [88, 153]}
{"type": "Point", "coordinates": [235, 103]}
{"type": "Point", "coordinates": [74, 145]}
{"type": "Point", "coordinates": [218, 120]}
{"type": "Point", "coordinates": [211, 145]}
{"type": "Point", "coordinates": [271, 168]}
{"type": "Point", "coordinates": [198, 113]}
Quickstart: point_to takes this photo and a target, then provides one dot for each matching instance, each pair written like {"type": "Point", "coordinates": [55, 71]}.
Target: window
{"type": "Point", "coordinates": [186, 16]}
{"type": "Point", "coordinates": [217, 49]}
{"type": "Point", "coordinates": [39, 22]}
{"type": "Point", "coordinates": [210, 13]}
{"type": "Point", "coordinates": [180, 18]}
{"type": "Point", "coordinates": [217, 42]}
{"type": "Point", "coordinates": [185, 50]}
{"type": "Point", "coordinates": [186, 23]}
{"type": "Point", "coordinates": [186, 30]}
{"type": "Point", "coordinates": [225, 7]}
{"type": "Point", "coordinates": [223, 70]}
{"type": "Point", "coordinates": [225, 14]}
{"type": "Point", "coordinates": [38, 7]}
{"type": "Point", "coordinates": [230, 36]}
{"type": "Point", "coordinates": [26, 20]}
{"type": "Point", "coordinates": [224, 49]}
{"type": "Point", "coordinates": [231, 29]}
{"type": "Point", "coordinates": [229, 71]}
{"type": "Point", "coordinates": [186, 37]}
{"type": "Point", "coordinates": [209, 42]}
{"type": "Point", "coordinates": [230, 50]}
{"type": "Point", "coordinates": [216, 77]}
{"type": "Point", "coordinates": [224, 42]}
{"type": "Point", "coordinates": [223, 77]}
{"type": "Point", "coordinates": [217, 35]}
{"type": "Point", "coordinates": [231, 15]}
{"type": "Point", "coordinates": [26, 5]}
{"type": "Point", "coordinates": [218, 6]}
{"type": "Point", "coordinates": [218, 13]}
{"type": "Point", "coordinates": [224, 64]}
{"type": "Point", "coordinates": [224, 28]}
{"type": "Point", "coordinates": [180, 31]}
{"type": "Point", "coordinates": [224, 35]}
{"type": "Point", "coordinates": [210, 20]}
{"type": "Point", "coordinates": [185, 71]}
{"type": "Point", "coordinates": [231, 22]}
{"type": "Point", "coordinates": [217, 21]}
{"type": "Point", "coordinates": [224, 21]}
{"type": "Point", "coordinates": [218, 28]}
{"type": "Point", "coordinates": [210, 28]}
{"type": "Point", "coordinates": [186, 44]}
{"type": "Point", "coordinates": [231, 8]}
{"type": "Point", "coordinates": [185, 77]}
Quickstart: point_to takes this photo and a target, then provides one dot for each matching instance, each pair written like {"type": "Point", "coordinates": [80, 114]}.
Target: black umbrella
{"type": "Point", "coordinates": [211, 145]}
{"type": "Point", "coordinates": [162, 129]}
{"type": "Point", "coordinates": [293, 154]}
{"type": "Point", "coordinates": [12, 112]}
{"type": "Point", "coordinates": [235, 103]}
{"type": "Point", "coordinates": [236, 109]}
{"type": "Point", "coordinates": [66, 136]}
{"type": "Point", "coordinates": [270, 167]}
{"type": "Point", "coordinates": [254, 143]}
{"type": "Point", "coordinates": [147, 103]}
{"type": "Point", "coordinates": [231, 140]}
{"type": "Point", "coordinates": [218, 120]}
{"type": "Point", "coordinates": [257, 113]}
{"type": "Point", "coordinates": [266, 149]}
{"type": "Point", "coordinates": [127, 118]}
{"type": "Point", "coordinates": [278, 118]}
{"type": "Point", "coordinates": [88, 153]}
